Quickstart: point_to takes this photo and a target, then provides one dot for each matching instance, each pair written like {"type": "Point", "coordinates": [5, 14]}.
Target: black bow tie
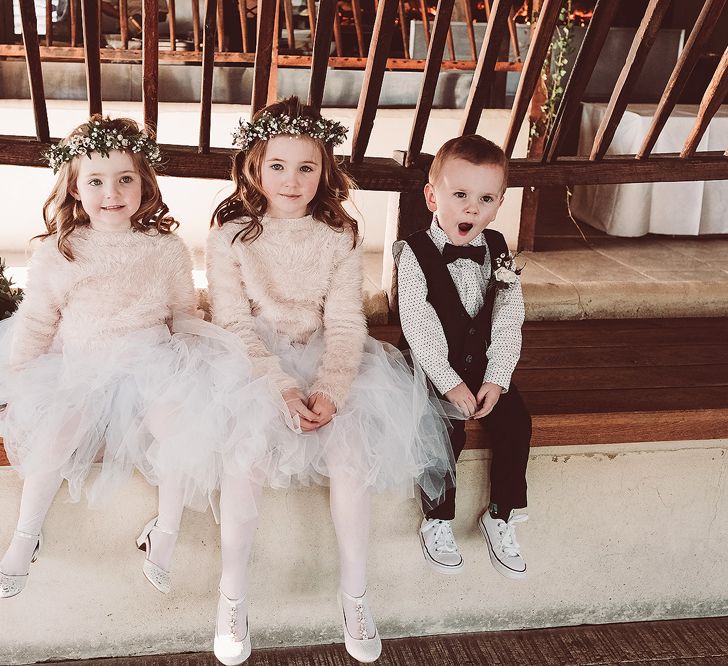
{"type": "Point", "coordinates": [452, 252]}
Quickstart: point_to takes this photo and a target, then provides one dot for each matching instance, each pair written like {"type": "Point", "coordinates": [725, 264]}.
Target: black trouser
{"type": "Point", "coordinates": [509, 429]}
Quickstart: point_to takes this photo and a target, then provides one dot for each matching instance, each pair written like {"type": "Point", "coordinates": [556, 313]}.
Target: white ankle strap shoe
{"type": "Point", "coordinates": [362, 646]}
{"type": "Point", "coordinates": [12, 585]}
{"type": "Point", "coordinates": [232, 647]}
{"type": "Point", "coordinates": [157, 576]}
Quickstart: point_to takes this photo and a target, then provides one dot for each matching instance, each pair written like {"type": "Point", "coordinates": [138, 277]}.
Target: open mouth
{"type": "Point", "coordinates": [112, 207]}
{"type": "Point", "coordinates": [465, 227]}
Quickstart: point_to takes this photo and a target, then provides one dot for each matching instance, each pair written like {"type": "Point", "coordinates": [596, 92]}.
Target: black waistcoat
{"type": "Point", "coordinates": [467, 337]}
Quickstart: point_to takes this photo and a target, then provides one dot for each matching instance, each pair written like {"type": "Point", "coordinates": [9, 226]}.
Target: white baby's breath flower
{"type": "Point", "coordinates": [506, 275]}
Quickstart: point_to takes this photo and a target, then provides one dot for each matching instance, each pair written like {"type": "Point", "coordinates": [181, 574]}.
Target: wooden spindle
{"type": "Point", "coordinates": [272, 94]}
{"type": "Point", "coordinates": [714, 95]}
{"type": "Point", "coordinates": [208, 70]}
{"type": "Point", "coordinates": [91, 47]}
{"type": "Point", "coordinates": [49, 23]}
{"type": "Point", "coordinates": [288, 12]}
{"type": "Point", "coordinates": [429, 80]}
{"type": "Point", "coordinates": [196, 24]}
{"type": "Point", "coordinates": [338, 41]}
{"type": "Point", "coordinates": [311, 6]}
{"type": "Point", "coordinates": [220, 25]}
{"type": "Point", "coordinates": [267, 12]}
{"type": "Point", "coordinates": [513, 33]}
{"type": "Point", "coordinates": [321, 48]}
{"type": "Point", "coordinates": [471, 30]}
{"type": "Point", "coordinates": [403, 30]}
{"type": "Point", "coordinates": [243, 11]}
{"type": "Point", "coordinates": [531, 72]}
{"type": "Point", "coordinates": [73, 7]}
{"type": "Point", "coordinates": [373, 77]}
{"type": "Point", "coordinates": [584, 64]}
{"type": "Point", "coordinates": [484, 74]}
{"type": "Point", "coordinates": [425, 21]}
{"type": "Point", "coordinates": [172, 20]}
{"type": "Point", "coordinates": [636, 58]}
{"type": "Point", "coordinates": [689, 57]}
{"type": "Point", "coordinates": [29, 26]}
{"type": "Point", "coordinates": [150, 63]}
{"type": "Point", "coordinates": [123, 23]}
{"type": "Point", "coordinates": [356, 12]}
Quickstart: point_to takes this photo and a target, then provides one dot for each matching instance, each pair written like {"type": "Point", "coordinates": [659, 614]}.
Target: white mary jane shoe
{"type": "Point", "coordinates": [157, 576]}
{"type": "Point", "coordinates": [10, 585]}
{"type": "Point", "coordinates": [363, 648]}
{"type": "Point", "coordinates": [229, 648]}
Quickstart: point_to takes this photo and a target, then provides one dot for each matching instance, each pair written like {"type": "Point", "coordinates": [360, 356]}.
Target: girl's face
{"type": "Point", "coordinates": [109, 189]}
{"type": "Point", "coordinates": [290, 175]}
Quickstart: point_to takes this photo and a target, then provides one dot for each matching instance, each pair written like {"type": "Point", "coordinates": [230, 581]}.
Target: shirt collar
{"type": "Point", "coordinates": [440, 237]}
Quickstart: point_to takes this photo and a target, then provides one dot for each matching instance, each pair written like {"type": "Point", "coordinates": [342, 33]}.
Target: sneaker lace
{"type": "Point", "coordinates": [443, 537]}
{"type": "Point", "coordinates": [509, 543]}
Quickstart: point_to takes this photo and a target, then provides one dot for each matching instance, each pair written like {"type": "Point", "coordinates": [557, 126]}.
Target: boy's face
{"type": "Point", "coordinates": [466, 198]}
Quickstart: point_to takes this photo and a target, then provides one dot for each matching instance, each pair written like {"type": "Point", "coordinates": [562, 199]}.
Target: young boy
{"type": "Point", "coordinates": [467, 338]}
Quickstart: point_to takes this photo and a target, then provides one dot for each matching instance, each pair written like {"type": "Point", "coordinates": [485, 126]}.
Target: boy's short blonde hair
{"type": "Point", "coordinates": [472, 148]}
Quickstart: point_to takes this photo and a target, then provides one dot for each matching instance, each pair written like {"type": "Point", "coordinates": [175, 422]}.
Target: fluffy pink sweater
{"type": "Point", "coordinates": [297, 277]}
{"type": "Point", "coordinates": [119, 282]}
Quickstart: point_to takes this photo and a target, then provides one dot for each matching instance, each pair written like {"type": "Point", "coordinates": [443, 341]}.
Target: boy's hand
{"type": "Point", "coordinates": [487, 398]}
{"type": "Point", "coordinates": [462, 397]}
{"type": "Point", "coordinates": [296, 403]}
{"type": "Point", "coordinates": [324, 409]}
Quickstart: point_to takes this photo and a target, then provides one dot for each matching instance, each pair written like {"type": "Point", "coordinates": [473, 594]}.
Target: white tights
{"type": "Point", "coordinates": [38, 493]}
{"type": "Point", "coordinates": [350, 510]}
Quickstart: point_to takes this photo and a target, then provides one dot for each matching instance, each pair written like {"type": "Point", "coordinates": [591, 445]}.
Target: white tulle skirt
{"type": "Point", "coordinates": [389, 436]}
{"type": "Point", "coordinates": [168, 405]}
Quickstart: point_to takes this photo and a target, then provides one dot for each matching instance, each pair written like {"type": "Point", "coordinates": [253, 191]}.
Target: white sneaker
{"type": "Point", "coordinates": [232, 646]}
{"type": "Point", "coordinates": [504, 550]}
{"type": "Point", "coordinates": [439, 547]}
{"type": "Point", "coordinates": [364, 644]}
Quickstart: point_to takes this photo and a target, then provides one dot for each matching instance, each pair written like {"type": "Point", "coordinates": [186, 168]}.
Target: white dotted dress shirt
{"type": "Point", "coordinates": [423, 329]}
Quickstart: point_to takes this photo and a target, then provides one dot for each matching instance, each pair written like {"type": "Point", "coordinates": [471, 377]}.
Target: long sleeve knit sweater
{"type": "Point", "coordinates": [119, 282]}
{"type": "Point", "coordinates": [298, 276]}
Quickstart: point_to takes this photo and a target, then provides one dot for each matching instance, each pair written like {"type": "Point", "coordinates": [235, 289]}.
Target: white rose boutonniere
{"type": "Point", "coordinates": [506, 273]}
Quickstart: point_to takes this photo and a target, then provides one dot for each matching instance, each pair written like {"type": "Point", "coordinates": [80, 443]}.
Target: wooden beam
{"type": "Point", "coordinates": [208, 53]}
{"type": "Point", "coordinates": [263, 54]}
{"type": "Point", "coordinates": [586, 60]}
{"type": "Point", "coordinates": [471, 31]}
{"type": "Point", "coordinates": [220, 20]}
{"type": "Point", "coordinates": [321, 49]}
{"type": "Point", "coordinates": [373, 78]}
{"type": "Point", "coordinates": [429, 80]}
{"type": "Point", "coordinates": [288, 12]}
{"type": "Point", "coordinates": [484, 73]}
{"type": "Point", "coordinates": [338, 42]}
{"type": "Point", "coordinates": [403, 30]}
{"type": "Point", "coordinates": [684, 67]}
{"type": "Point", "coordinates": [356, 11]}
{"type": "Point", "coordinates": [134, 56]}
{"type": "Point", "coordinates": [150, 63]}
{"type": "Point", "coordinates": [636, 58]}
{"type": "Point", "coordinates": [35, 73]}
{"type": "Point", "coordinates": [272, 95]}
{"type": "Point", "coordinates": [540, 41]}
{"type": "Point", "coordinates": [243, 14]}
{"type": "Point", "coordinates": [712, 99]}
{"type": "Point", "coordinates": [91, 47]}
{"type": "Point", "coordinates": [49, 23]}
{"type": "Point", "coordinates": [383, 174]}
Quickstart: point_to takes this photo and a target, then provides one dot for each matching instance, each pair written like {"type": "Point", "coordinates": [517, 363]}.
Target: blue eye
{"type": "Point", "coordinates": [276, 166]}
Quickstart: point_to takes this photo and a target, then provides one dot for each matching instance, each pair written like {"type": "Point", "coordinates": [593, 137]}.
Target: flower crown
{"type": "Point", "coordinates": [268, 126]}
{"type": "Point", "coordinates": [93, 137]}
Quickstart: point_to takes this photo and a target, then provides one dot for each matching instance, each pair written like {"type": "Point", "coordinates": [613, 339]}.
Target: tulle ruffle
{"type": "Point", "coordinates": [166, 404]}
{"type": "Point", "coordinates": [389, 436]}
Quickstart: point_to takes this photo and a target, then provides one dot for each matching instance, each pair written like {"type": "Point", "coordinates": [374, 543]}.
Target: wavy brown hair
{"type": "Point", "coordinates": [63, 214]}
{"type": "Point", "coordinates": [248, 200]}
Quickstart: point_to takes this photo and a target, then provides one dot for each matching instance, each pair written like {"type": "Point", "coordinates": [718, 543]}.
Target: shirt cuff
{"type": "Point", "coordinates": [495, 374]}
{"type": "Point", "coordinates": [449, 380]}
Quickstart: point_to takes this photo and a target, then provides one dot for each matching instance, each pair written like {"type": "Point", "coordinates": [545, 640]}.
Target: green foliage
{"type": "Point", "coordinates": [10, 296]}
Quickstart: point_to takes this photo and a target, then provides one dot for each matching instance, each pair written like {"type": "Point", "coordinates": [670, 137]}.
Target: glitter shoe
{"type": "Point", "coordinates": [363, 647]}
{"type": "Point", "coordinates": [11, 585]}
{"type": "Point", "coordinates": [157, 576]}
